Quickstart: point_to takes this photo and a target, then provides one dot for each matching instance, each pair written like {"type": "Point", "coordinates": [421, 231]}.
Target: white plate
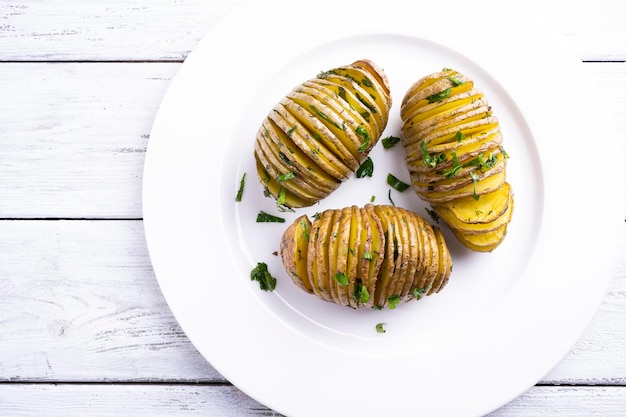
{"type": "Point", "coordinates": [504, 320]}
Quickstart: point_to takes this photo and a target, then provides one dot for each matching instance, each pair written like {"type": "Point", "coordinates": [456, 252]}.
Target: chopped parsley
{"type": "Point", "coordinates": [418, 293]}
{"type": "Point", "coordinates": [264, 217]}
{"type": "Point", "coordinates": [285, 177]}
{"type": "Point", "coordinates": [341, 279]}
{"type": "Point", "coordinates": [393, 301]}
{"type": "Point", "coordinates": [242, 183]}
{"type": "Point", "coordinates": [431, 161]}
{"type": "Point", "coordinates": [455, 81]}
{"type": "Point", "coordinates": [390, 200]}
{"type": "Point", "coordinates": [380, 328]}
{"type": "Point", "coordinates": [366, 138]}
{"type": "Point", "coordinates": [390, 141]}
{"type": "Point", "coordinates": [396, 184]}
{"type": "Point", "coordinates": [260, 273]}
{"type": "Point", "coordinates": [433, 215]}
{"type": "Point", "coordinates": [440, 96]}
{"type": "Point", "coordinates": [366, 169]}
{"type": "Point", "coordinates": [360, 292]}
{"type": "Point", "coordinates": [282, 196]}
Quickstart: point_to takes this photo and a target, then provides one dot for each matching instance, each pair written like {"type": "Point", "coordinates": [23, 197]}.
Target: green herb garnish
{"type": "Point", "coordinates": [393, 301]}
{"type": "Point", "coordinates": [290, 131]}
{"type": "Point", "coordinates": [360, 292]}
{"type": "Point", "coordinates": [440, 96]}
{"type": "Point", "coordinates": [285, 177]}
{"type": "Point", "coordinates": [380, 328]}
{"type": "Point", "coordinates": [242, 183]}
{"type": "Point", "coordinates": [390, 200]}
{"type": "Point", "coordinates": [263, 217]}
{"type": "Point", "coordinates": [366, 138]}
{"type": "Point", "coordinates": [418, 293]}
{"type": "Point", "coordinates": [390, 142]}
{"type": "Point", "coordinates": [396, 184]}
{"type": "Point", "coordinates": [260, 273]}
{"type": "Point", "coordinates": [431, 161]}
{"type": "Point", "coordinates": [341, 279]}
{"type": "Point", "coordinates": [455, 81]}
{"type": "Point", "coordinates": [433, 215]}
{"type": "Point", "coordinates": [475, 178]}
{"type": "Point", "coordinates": [282, 196]}
{"type": "Point", "coordinates": [455, 169]}
{"type": "Point", "coordinates": [366, 169]}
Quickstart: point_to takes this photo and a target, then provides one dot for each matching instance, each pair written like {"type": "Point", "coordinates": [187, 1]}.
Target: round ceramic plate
{"type": "Point", "coordinates": [505, 318]}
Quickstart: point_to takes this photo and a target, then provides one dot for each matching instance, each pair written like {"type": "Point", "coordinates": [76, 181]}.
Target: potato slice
{"type": "Point", "coordinates": [284, 174]}
{"type": "Point", "coordinates": [377, 251]}
{"type": "Point", "coordinates": [369, 105]}
{"type": "Point", "coordinates": [323, 123]}
{"type": "Point", "coordinates": [324, 157]}
{"type": "Point", "coordinates": [466, 228]}
{"type": "Point", "coordinates": [293, 156]}
{"type": "Point", "coordinates": [484, 242]}
{"type": "Point", "coordinates": [349, 118]}
{"type": "Point", "coordinates": [294, 249]}
{"type": "Point", "coordinates": [323, 255]}
{"type": "Point", "coordinates": [353, 263]}
{"type": "Point", "coordinates": [485, 210]}
{"type": "Point", "coordinates": [445, 262]}
{"type": "Point", "coordinates": [274, 188]}
{"type": "Point", "coordinates": [369, 122]}
{"type": "Point", "coordinates": [359, 292]}
{"type": "Point", "coordinates": [341, 248]}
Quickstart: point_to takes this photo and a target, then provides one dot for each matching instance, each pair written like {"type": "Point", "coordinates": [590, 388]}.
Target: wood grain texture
{"type": "Point", "coordinates": [114, 30]}
{"type": "Point", "coordinates": [80, 303]}
{"type": "Point", "coordinates": [74, 137]}
{"type": "Point", "coordinates": [63, 400]}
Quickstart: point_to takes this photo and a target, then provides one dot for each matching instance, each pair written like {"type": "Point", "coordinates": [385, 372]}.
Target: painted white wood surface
{"type": "Point", "coordinates": [84, 329]}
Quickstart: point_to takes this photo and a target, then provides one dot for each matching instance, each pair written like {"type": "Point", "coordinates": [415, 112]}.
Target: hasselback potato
{"type": "Point", "coordinates": [455, 157]}
{"type": "Point", "coordinates": [376, 256]}
{"type": "Point", "coordinates": [320, 133]}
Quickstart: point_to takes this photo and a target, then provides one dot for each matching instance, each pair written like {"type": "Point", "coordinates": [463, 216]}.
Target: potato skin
{"type": "Point", "coordinates": [375, 256]}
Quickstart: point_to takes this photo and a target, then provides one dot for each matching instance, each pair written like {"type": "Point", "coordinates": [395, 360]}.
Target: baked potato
{"type": "Point", "coordinates": [455, 157]}
{"type": "Point", "coordinates": [321, 132]}
{"type": "Point", "coordinates": [375, 256]}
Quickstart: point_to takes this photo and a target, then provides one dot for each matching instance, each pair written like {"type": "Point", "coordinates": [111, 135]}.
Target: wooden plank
{"type": "Point", "coordinates": [111, 30]}
{"type": "Point", "coordinates": [72, 146]}
{"type": "Point", "coordinates": [76, 400]}
{"type": "Point", "coordinates": [122, 30]}
{"type": "Point", "coordinates": [81, 303]}
{"type": "Point", "coordinates": [75, 148]}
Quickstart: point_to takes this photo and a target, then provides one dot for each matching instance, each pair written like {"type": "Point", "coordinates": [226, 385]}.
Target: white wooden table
{"type": "Point", "coordinates": [84, 329]}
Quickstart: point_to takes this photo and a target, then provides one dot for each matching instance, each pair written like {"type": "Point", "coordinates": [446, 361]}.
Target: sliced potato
{"type": "Point", "coordinates": [328, 125]}
{"type": "Point", "coordinates": [294, 249]}
{"type": "Point", "coordinates": [377, 256]}
{"type": "Point", "coordinates": [454, 155]}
